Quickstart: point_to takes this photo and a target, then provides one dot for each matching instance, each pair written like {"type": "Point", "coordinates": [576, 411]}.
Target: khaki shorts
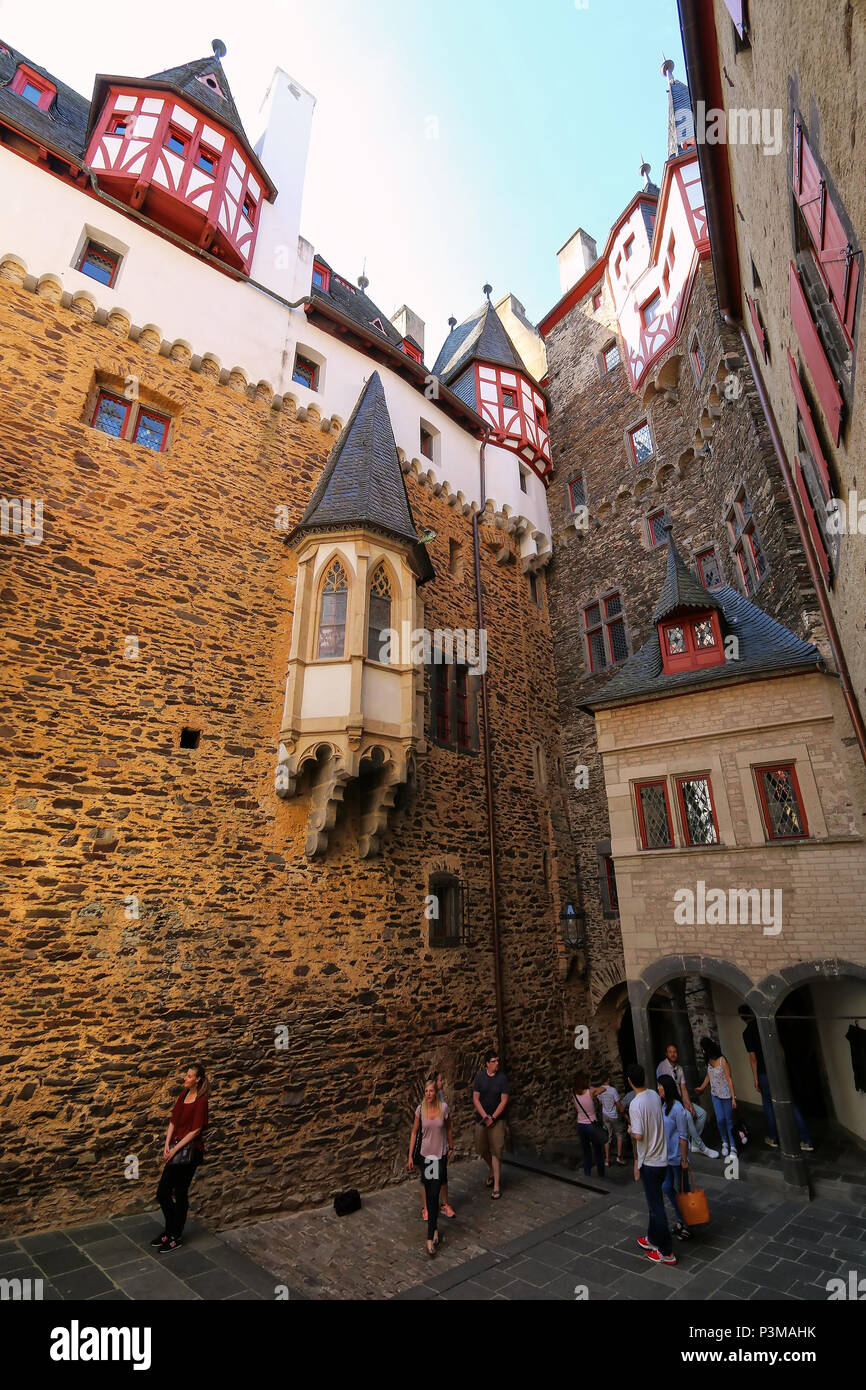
{"type": "Point", "coordinates": [490, 1139]}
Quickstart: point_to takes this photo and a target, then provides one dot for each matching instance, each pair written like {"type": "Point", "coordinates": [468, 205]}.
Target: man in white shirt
{"type": "Point", "coordinates": [695, 1114]}
{"type": "Point", "coordinates": [647, 1129]}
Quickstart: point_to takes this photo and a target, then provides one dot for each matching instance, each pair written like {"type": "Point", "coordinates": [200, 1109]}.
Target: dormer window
{"type": "Point", "coordinates": [691, 641]}
{"type": "Point", "coordinates": [33, 87]}
{"type": "Point", "coordinates": [412, 351]}
{"type": "Point", "coordinates": [208, 80]}
{"type": "Point", "coordinates": [176, 141]}
{"type": "Point", "coordinates": [321, 277]}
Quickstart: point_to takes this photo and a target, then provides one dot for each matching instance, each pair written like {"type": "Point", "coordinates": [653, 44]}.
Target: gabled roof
{"type": "Point", "coordinates": [362, 483]}
{"type": "Point", "coordinates": [355, 304]}
{"type": "Point", "coordinates": [480, 338]}
{"type": "Point", "coordinates": [63, 127]}
{"type": "Point", "coordinates": [765, 648]}
{"type": "Point", "coordinates": [681, 588]}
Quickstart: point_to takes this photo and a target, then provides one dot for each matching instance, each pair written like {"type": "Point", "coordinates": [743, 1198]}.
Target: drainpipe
{"type": "Point", "coordinates": [806, 542]}
{"type": "Point", "coordinates": [488, 771]}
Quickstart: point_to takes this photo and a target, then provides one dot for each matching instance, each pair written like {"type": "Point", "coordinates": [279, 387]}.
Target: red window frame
{"type": "Point", "coordinates": [610, 880]}
{"type": "Point", "coordinates": [596, 302]}
{"type": "Point", "coordinates": [118, 400]}
{"type": "Point", "coordinates": [118, 121]}
{"type": "Point", "coordinates": [163, 420]}
{"type": "Point", "coordinates": [653, 782]}
{"type": "Point", "coordinates": [413, 352]}
{"type": "Point", "coordinates": [249, 206]}
{"type": "Point", "coordinates": [628, 247]}
{"type": "Point", "coordinates": [105, 254]}
{"type": "Point", "coordinates": [700, 558]}
{"type": "Point", "coordinates": [644, 424]}
{"type": "Point", "coordinates": [762, 796]}
{"type": "Point", "coordinates": [510, 391]}
{"type": "Point", "coordinates": [760, 335]}
{"type": "Point", "coordinates": [822, 373]}
{"type": "Point", "coordinates": [203, 152]}
{"type": "Point", "coordinates": [834, 254]}
{"type": "Point", "coordinates": [611, 347]}
{"type": "Point", "coordinates": [25, 76]}
{"type": "Point", "coordinates": [808, 426]}
{"type": "Point", "coordinates": [652, 518]}
{"type": "Point", "coordinates": [684, 820]}
{"type": "Point", "coordinates": [182, 138]}
{"type": "Point", "coordinates": [653, 299]}
{"type": "Point", "coordinates": [694, 658]}
{"type": "Point", "coordinates": [325, 276]}
{"type": "Point", "coordinates": [574, 483]}
{"type": "Point", "coordinates": [306, 368]}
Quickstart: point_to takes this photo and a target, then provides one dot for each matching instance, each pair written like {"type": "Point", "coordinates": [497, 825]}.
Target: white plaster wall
{"type": "Point", "coordinates": [837, 1004]}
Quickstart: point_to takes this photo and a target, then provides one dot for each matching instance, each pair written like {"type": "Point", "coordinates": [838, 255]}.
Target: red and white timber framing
{"type": "Point", "coordinates": [516, 413]}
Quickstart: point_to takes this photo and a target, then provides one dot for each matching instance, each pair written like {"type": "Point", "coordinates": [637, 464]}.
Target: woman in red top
{"type": "Point", "coordinates": [183, 1151]}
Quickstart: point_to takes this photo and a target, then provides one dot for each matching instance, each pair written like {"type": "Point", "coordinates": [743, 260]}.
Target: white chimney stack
{"type": "Point", "coordinates": [575, 258]}
{"type": "Point", "coordinates": [408, 325]}
{"type": "Point", "coordinates": [287, 113]}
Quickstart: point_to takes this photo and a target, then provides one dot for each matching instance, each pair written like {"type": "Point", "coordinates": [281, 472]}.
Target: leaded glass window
{"type": "Point", "coordinates": [332, 616]}
{"type": "Point", "coordinates": [655, 821]}
{"type": "Point", "coordinates": [699, 820]}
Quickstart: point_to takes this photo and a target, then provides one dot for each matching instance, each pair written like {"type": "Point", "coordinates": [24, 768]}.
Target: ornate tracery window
{"type": "Point", "coordinates": [332, 613]}
{"type": "Point", "coordinates": [379, 617]}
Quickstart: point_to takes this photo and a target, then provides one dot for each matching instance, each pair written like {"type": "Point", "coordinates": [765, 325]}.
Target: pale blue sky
{"type": "Point", "coordinates": [453, 143]}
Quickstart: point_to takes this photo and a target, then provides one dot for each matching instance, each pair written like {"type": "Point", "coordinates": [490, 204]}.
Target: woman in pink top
{"type": "Point", "coordinates": [584, 1096]}
{"type": "Point", "coordinates": [437, 1143]}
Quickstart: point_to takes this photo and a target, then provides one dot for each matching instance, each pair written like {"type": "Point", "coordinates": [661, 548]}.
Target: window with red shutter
{"type": "Point", "coordinates": [835, 255]}
{"type": "Point", "coordinates": [815, 355]}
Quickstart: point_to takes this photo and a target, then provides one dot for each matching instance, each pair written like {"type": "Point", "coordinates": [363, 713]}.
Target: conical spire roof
{"type": "Point", "coordinates": [191, 80]}
{"type": "Point", "coordinates": [681, 588]}
{"type": "Point", "coordinates": [362, 484]}
{"type": "Point", "coordinates": [480, 338]}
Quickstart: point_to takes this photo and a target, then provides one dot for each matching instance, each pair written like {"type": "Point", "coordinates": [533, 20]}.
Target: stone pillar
{"type": "Point", "coordinates": [639, 998]}
{"type": "Point", "coordinates": [683, 1033]}
{"type": "Point", "coordinates": [793, 1163]}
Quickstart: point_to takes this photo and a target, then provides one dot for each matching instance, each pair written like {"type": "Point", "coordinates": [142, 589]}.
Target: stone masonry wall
{"type": "Point", "coordinates": [237, 932]}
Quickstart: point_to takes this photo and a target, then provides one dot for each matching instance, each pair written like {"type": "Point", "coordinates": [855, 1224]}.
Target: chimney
{"type": "Point", "coordinates": [408, 325]}
{"type": "Point", "coordinates": [287, 113]}
{"type": "Point", "coordinates": [575, 258]}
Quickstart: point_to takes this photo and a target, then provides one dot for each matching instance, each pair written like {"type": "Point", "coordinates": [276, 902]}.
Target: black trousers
{"type": "Point", "coordinates": [173, 1194]}
{"type": "Point", "coordinates": [434, 1173]}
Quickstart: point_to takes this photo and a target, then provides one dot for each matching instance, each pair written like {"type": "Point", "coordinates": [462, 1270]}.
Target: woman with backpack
{"type": "Point", "coordinates": [430, 1146]}
{"type": "Point", "coordinates": [593, 1135]}
{"type": "Point", "coordinates": [721, 1085]}
{"type": "Point", "coordinates": [677, 1139]}
{"type": "Point", "coordinates": [183, 1151]}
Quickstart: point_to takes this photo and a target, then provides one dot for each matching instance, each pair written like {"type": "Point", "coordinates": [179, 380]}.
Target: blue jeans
{"type": "Point", "coordinates": [764, 1083]}
{"type": "Point", "coordinates": [673, 1183]}
{"type": "Point", "coordinates": [588, 1140]}
{"type": "Point", "coordinates": [658, 1231]}
{"type": "Point", "coordinates": [725, 1119]}
{"type": "Point", "coordinates": [696, 1125]}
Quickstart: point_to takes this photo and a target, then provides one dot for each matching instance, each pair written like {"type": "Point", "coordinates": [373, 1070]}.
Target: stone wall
{"type": "Point", "coordinates": [237, 933]}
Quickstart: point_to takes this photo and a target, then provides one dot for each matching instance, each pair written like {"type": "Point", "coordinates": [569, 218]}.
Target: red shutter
{"type": "Point", "coordinates": [832, 249]}
{"type": "Point", "coordinates": [808, 186]}
{"type": "Point", "coordinates": [816, 359]}
{"type": "Point", "coordinates": [817, 454]}
{"type": "Point", "coordinates": [735, 10]}
{"type": "Point", "coordinates": [758, 326]}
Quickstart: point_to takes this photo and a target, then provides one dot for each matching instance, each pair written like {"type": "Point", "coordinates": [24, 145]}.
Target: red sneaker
{"type": "Point", "coordinates": [645, 1244]}
{"type": "Point", "coordinates": [448, 1211]}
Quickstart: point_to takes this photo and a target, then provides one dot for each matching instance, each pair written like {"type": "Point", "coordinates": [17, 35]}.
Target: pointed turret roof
{"type": "Point", "coordinates": [681, 121]}
{"type": "Point", "coordinates": [362, 483]}
{"type": "Point", "coordinates": [681, 588]}
{"type": "Point", "coordinates": [480, 338]}
{"type": "Point", "coordinates": [190, 79]}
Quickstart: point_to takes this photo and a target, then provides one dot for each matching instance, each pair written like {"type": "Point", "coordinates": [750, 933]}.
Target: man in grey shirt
{"type": "Point", "coordinates": [695, 1114]}
{"type": "Point", "coordinates": [490, 1097]}
{"type": "Point", "coordinates": [647, 1129]}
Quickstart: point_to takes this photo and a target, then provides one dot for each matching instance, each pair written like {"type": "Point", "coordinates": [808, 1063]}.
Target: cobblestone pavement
{"type": "Point", "coordinates": [380, 1250]}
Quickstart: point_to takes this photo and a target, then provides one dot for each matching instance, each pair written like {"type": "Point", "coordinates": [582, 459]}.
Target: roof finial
{"type": "Point", "coordinates": [452, 323]}
{"type": "Point", "coordinates": [218, 47]}
{"type": "Point", "coordinates": [668, 69]}
{"type": "Point", "coordinates": [488, 290]}
{"type": "Point", "coordinates": [363, 282]}
{"type": "Point", "coordinates": [645, 171]}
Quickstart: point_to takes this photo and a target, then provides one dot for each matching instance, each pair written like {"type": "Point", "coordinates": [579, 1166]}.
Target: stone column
{"type": "Point", "coordinates": [793, 1163]}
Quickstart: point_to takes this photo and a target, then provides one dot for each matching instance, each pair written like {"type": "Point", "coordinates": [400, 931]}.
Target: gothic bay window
{"type": "Point", "coordinates": [447, 910]}
{"type": "Point", "coordinates": [332, 613]}
{"type": "Point", "coordinates": [99, 263]}
{"type": "Point", "coordinates": [708, 569]}
{"type": "Point", "coordinates": [641, 442]}
{"type": "Point", "coordinates": [697, 811]}
{"type": "Point", "coordinates": [453, 707]}
{"type": "Point", "coordinates": [653, 815]}
{"type": "Point", "coordinates": [781, 803]}
{"type": "Point", "coordinates": [379, 620]}
{"type": "Point", "coordinates": [604, 629]}
{"type": "Point", "coordinates": [745, 544]}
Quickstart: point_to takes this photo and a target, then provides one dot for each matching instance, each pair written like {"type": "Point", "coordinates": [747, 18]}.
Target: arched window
{"type": "Point", "coordinates": [379, 620]}
{"type": "Point", "coordinates": [332, 615]}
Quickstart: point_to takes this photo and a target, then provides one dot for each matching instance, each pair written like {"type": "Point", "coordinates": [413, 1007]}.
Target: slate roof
{"type": "Point", "coordinates": [63, 127]}
{"type": "Point", "coordinates": [357, 305]}
{"type": "Point", "coordinates": [480, 338]}
{"type": "Point", "coordinates": [681, 588]}
{"type": "Point", "coordinates": [362, 483]}
{"type": "Point", "coordinates": [681, 122]}
{"type": "Point", "coordinates": [765, 648]}
{"type": "Point", "coordinates": [184, 78]}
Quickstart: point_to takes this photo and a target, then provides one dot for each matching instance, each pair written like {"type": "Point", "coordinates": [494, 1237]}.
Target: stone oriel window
{"type": "Point", "coordinates": [654, 815]}
{"type": "Point", "coordinates": [697, 810]}
{"type": "Point", "coordinates": [332, 613]}
{"type": "Point", "coordinates": [448, 906]}
{"type": "Point", "coordinates": [781, 802]}
{"type": "Point", "coordinates": [379, 614]}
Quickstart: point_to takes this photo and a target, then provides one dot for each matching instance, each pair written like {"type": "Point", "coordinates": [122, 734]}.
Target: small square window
{"type": "Point", "coordinates": [249, 207]}
{"type": "Point", "coordinates": [118, 126]}
{"type": "Point", "coordinates": [111, 414]}
{"type": "Point", "coordinates": [206, 160]}
{"type": "Point", "coordinates": [641, 442]}
{"type": "Point", "coordinates": [151, 430]}
{"type": "Point", "coordinates": [190, 738]}
{"type": "Point", "coordinates": [656, 524]}
{"type": "Point", "coordinates": [99, 263]}
{"type": "Point", "coordinates": [611, 357]}
{"type": "Point", "coordinates": [509, 397]}
{"type": "Point", "coordinates": [651, 310]}
{"type": "Point", "coordinates": [306, 373]}
{"type": "Point", "coordinates": [426, 443]}
{"type": "Point", "coordinates": [176, 142]}
{"type": "Point", "coordinates": [30, 92]}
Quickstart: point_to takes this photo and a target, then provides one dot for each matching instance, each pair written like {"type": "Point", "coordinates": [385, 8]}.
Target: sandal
{"type": "Point", "coordinates": [682, 1233]}
{"type": "Point", "coordinates": [431, 1248]}
{"type": "Point", "coordinates": [448, 1211]}
{"type": "Point", "coordinates": [495, 1195]}
{"type": "Point", "coordinates": [489, 1182]}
